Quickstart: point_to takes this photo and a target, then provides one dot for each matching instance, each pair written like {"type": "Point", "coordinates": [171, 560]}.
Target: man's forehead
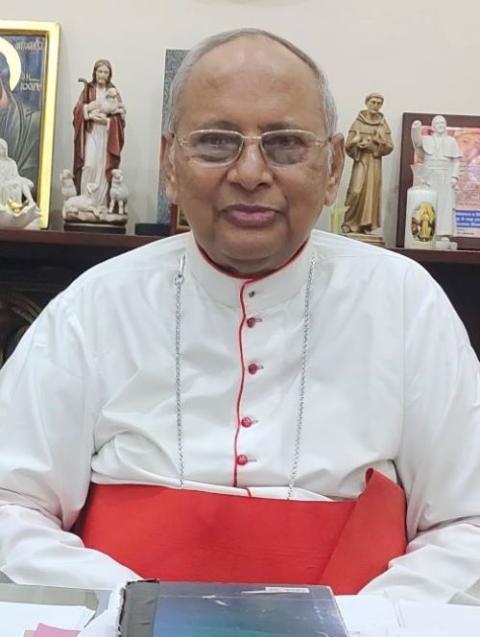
{"type": "Point", "coordinates": [251, 56]}
{"type": "Point", "coordinates": [253, 76]}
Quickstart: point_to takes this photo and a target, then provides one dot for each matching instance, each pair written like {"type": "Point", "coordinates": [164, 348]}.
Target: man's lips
{"type": "Point", "coordinates": [250, 214]}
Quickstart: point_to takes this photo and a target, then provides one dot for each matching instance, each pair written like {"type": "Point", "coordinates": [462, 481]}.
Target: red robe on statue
{"type": "Point", "coordinates": [116, 135]}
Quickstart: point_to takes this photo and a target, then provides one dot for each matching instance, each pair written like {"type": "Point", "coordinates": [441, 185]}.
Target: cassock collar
{"type": "Point", "coordinates": [268, 291]}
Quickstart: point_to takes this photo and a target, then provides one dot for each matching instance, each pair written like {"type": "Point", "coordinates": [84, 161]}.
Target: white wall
{"type": "Point", "coordinates": [422, 55]}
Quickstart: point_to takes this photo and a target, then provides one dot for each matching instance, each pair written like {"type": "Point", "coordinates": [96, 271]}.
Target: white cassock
{"type": "Point", "coordinates": [392, 383]}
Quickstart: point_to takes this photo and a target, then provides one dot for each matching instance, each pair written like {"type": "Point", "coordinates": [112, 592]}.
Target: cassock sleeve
{"type": "Point", "coordinates": [438, 461]}
{"type": "Point", "coordinates": [49, 398]}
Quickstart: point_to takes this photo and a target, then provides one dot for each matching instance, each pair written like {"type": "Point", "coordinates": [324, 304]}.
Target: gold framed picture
{"type": "Point", "coordinates": [28, 79]}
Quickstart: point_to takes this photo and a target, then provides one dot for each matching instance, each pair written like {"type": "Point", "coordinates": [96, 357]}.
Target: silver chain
{"type": "Point", "coordinates": [179, 280]}
{"type": "Point", "coordinates": [303, 377]}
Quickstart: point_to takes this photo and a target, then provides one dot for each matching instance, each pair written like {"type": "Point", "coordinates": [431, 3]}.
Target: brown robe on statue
{"type": "Point", "coordinates": [116, 135]}
{"type": "Point", "coordinates": [365, 187]}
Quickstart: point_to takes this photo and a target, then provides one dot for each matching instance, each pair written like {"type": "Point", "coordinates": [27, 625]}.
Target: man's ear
{"type": "Point", "coordinates": [336, 161]}
{"type": "Point", "coordinates": [167, 167]}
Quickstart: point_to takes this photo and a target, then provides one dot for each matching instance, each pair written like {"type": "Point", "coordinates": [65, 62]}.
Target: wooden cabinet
{"type": "Point", "coordinates": [36, 265]}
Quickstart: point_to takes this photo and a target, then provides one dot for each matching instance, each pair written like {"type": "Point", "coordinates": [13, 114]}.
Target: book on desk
{"type": "Point", "coordinates": [164, 609]}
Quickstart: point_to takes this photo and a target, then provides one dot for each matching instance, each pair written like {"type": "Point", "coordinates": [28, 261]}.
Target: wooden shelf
{"type": "Point", "coordinates": [465, 257]}
{"type": "Point", "coordinates": [80, 238]}
{"type": "Point", "coordinates": [32, 243]}
{"type": "Point", "coordinates": [77, 250]}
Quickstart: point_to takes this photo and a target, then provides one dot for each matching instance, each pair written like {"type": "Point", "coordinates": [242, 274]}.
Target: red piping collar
{"type": "Point", "coordinates": [250, 278]}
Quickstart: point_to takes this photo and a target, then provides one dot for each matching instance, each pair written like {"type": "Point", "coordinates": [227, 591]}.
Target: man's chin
{"type": "Point", "coordinates": [251, 262]}
{"type": "Point", "coordinates": [247, 252]}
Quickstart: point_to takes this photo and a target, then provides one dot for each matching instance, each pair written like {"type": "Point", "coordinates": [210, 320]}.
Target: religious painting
{"type": "Point", "coordinates": [28, 75]}
{"type": "Point", "coordinates": [167, 213]}
{"type": "Point", "coordinates": [466, 131]}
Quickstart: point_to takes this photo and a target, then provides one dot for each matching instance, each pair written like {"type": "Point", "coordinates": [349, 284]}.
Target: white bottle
{"type": "Point", "coordinates": [420, 217]}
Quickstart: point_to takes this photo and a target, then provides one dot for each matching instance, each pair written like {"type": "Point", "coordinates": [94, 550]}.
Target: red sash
{"type": "Point", "coordinates": [183, 535]}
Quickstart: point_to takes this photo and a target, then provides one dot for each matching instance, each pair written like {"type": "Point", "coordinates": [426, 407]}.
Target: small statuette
{"type": "Point", "coordinates": [94, 192]}
{"type": "Point", "coordinates": [368, 140]}
{"type": "Point", "coordinates": [440, 157]}
{"type": "Point", "coordinates": [118, 193]}
{"type": "Point", "coordinates": [17, 207]}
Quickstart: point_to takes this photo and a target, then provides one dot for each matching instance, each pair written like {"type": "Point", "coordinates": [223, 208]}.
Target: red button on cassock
{"type": "Point", "coordinates": [242, 460]}
{"type": "Point", "coordinates": [253, 368]}
{"type": "Point", "coordinates": [251, 321]}
{"type": "Point", "coordinates": [246, 422]}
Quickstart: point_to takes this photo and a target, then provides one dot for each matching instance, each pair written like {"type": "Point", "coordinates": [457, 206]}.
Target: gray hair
{"type": "Point", "coordinates": [208, 44]}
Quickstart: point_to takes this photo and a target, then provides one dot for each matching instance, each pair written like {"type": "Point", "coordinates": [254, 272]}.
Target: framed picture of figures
{"type": "Point", "coordinates": [169, 213]}
{"type": "Point", "coordinates": [28, 77]}
{"type": "Point", "coordinates": [466, 130]}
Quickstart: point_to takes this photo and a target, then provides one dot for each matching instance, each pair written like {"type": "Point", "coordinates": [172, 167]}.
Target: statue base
{"type": "Point", "coordinates": [373, 239]}
{"type": "Point", "coordinates": [94, 219]}
{"type": "Point", "coordinates": [82, 226]}
{"type": "Point", "coordinates": [444, 243]}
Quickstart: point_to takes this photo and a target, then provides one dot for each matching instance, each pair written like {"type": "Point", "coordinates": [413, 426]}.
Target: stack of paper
{"type": "Point", "coordinates": [377, 616]}
{"type": "Point", "coordinates": [17, 618]}
{"type": "Point", "coordinates": [49, 631]}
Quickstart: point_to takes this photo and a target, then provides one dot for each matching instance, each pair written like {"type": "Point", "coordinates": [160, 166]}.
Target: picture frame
{"type": "Point", "coordinates": [29, 68]}
{"type": "Point", "coordinates": [178, 221]}
{"type": "Point", "coordinates": [165, 210]}
{"type": "Point", "coordinates": [466, 129]}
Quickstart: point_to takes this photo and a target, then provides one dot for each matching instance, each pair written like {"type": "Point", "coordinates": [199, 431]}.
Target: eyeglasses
{"type": "Point", "coordinates": [212, 147]}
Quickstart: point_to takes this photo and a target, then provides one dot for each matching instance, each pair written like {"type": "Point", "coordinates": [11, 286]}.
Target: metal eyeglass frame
{"type": "Point", "coordinates": [258, 139]}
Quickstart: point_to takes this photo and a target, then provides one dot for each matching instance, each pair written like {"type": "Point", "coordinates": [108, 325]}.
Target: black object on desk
{"type": "Point", "coordinates": [167, 609]}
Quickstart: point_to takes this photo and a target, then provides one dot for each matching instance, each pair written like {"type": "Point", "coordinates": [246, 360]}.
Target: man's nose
{"type": "Point", "coordinates": [251, 168]}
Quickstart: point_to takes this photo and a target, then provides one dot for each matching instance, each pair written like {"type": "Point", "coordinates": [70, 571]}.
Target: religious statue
{"type": "Point", "coordinates": [17, 206]}
{"type": "Point", "coordinates": [368, 140]}
{"type": "Point", "coordinates": [440, 155]}
{"type": "Point", "coordinates": [90, 191]}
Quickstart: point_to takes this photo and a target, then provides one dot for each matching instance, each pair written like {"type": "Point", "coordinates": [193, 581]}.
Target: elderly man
{"type": "Point", "coordinates": [248, 401]}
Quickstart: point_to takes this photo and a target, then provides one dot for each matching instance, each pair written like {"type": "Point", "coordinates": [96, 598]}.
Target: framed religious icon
{"type": "Point", "coordinates": [465, 130]}
{"type": "Point", "coordinates": [28, 77]}
{"type": "Point", "coordinates": [166, 212]}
